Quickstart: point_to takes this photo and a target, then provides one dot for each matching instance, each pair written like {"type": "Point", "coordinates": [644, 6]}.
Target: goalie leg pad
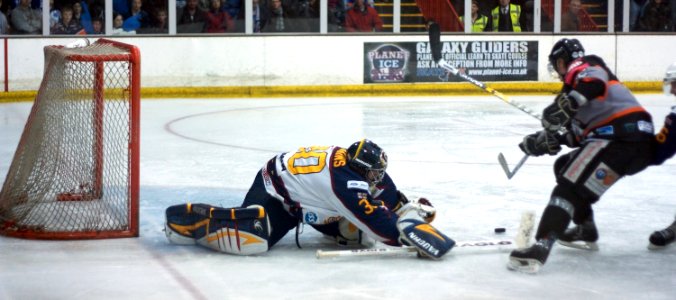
{"type": "Point", "coordinates": [241, 231]}
{"type": "Point", "coordinates": [429, 241]}
{"type": "Point", "coordinates": [245, 236]}
{"type": "Point", "coordinates": [180, 223]}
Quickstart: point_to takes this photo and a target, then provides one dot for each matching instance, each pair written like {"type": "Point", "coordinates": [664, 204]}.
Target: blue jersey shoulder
{"type": "Point", "coordinates": [666, 139]}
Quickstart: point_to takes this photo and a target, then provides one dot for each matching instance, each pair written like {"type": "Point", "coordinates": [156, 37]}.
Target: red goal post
{"type": "Point", "coordinates": [75, 173]}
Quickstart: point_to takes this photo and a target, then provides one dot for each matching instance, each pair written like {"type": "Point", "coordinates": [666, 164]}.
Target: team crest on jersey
{"type": "Point", "coordinates": [605, 130]}
{"type": "Point", "coordinates": [604, 177]}
{"type": "Point", "coordinates": [310, 218]}
{"type": "Point", "coordinates": [388, 63]}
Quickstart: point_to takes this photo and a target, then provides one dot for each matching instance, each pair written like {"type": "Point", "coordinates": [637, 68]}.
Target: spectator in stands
{"type": "Point", "coordinates": [54, 14]}
{"type": "Point", "coordinates": [118, 21]}
{"type": "Point", "coordinates": [232, 7]}
{"type": "Point", "coordinates": [218, 20]}
{"type": "Point", "coordinates": [67, 24]}
{"type": "Point", "coordinates": [656, 17]}
{"type": "Point", "coordinates": [506, 17]}
{"type": "Point", "coordinates": [190, 18]}
{"type": "Point", "coordinates": [26, 20]}
{"type": "Point", "coordinates": [77, 12]}
{"type": "Point", "coordinates": [635, 12]}
{"type": "Point", "coordinates": [278, 19]}
{"type": "Point", "coordinates": [97, 26]}
{"type": "Point", "coordinates": [4, 25]}
{"type": "Point", "coordinates": [257, 15]}
{"type": "Point", "coordinates": [336, 15]}
{"type": "Point", "coordinates": [158, 23]}
{"type": "Point", "coordinates": [305, 15]}
{"type": "Point", "coordinates": [479, 21]}
{"type": "Point", "coordinates": [672, 4]}
{"type": "Point", "coordinates": [362, 17]}
{"type": "Point", "coordinates": [83, 16]}
{"type": "Point", "coordinates": [570, 20]}
{"type": "Point", "coordinates": [137, 17]}
{"type": "Point", "coordinates": [121, 7]}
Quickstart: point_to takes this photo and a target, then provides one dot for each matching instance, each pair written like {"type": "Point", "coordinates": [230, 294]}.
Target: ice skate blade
{"type": "Point", "coordinates": [524, 265]}
{"type": "Point", "coordinates": [589, 246]}
{"type": "Point", "coordinates": [654, 247]}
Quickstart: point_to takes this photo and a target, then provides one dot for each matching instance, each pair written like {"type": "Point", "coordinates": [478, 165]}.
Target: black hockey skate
{"type": "Point", "coordinates": [529, 260]}
{"type": "Point", "coordinates": [583, 236]}
{"type": "Point", "coordinates": [662, 238]}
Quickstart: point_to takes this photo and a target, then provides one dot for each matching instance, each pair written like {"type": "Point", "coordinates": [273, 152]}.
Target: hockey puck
{"type": "Point", "coordinates": [499, 230]}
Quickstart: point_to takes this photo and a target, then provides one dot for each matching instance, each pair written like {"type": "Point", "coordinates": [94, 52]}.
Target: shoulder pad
{"type": "Point", "coordinates": [358, 185]}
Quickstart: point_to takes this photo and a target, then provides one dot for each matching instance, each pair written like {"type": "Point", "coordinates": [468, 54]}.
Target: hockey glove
{"type": "Point", "coordinates": [559, 114]}
{"type": "Point", "coordinates": [422, 206]}
{"type": "Point", "coordinates": [540, 143]}
{"type": "Point", "coordinates": [428, 241]}
{"type": "Point", "coordinates": [350, 235]}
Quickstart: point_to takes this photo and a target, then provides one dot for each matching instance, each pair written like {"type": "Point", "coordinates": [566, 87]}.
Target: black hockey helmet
{"type": "Point", "coordinates": [367, 159]}
{"type": "Point", "coordinates": [567, 49]}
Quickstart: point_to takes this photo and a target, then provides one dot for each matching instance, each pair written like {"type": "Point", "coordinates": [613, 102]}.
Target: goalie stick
{"type": "Point", "coordinates": [521, 240]}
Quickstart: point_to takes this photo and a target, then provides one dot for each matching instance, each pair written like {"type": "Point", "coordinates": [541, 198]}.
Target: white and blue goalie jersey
{"type": "Point", "coordinates": [316, 184]}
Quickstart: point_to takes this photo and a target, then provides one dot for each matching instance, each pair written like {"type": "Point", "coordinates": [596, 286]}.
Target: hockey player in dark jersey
{"type": "Point", "coordinates": [343, 193]}
{"type": "Point", "coordinates": [666, 147]}
{"type": "Point", "coordinates": [612, 136]}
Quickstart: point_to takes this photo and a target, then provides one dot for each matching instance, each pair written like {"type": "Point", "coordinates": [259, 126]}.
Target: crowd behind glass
{"type": "Point", "coordinates": [88, 17]}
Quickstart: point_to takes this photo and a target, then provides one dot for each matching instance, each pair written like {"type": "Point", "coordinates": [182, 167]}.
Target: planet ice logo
{"type": "Point", "coordinates": [310, 218]}
{"type": "Point", "coordinates": [388, 63]}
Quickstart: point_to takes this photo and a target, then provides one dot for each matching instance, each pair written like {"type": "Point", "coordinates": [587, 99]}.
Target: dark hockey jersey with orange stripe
{"type": "Point", "coordinates": [612, 111]}
{"type": "Point", "coordinates": [666, 139]}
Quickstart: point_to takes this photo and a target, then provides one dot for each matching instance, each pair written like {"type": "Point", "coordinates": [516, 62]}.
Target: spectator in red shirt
{"type": "Point", "coordinates": [362, 17]}
{"type": "Point", "coordinates": [218, 20]}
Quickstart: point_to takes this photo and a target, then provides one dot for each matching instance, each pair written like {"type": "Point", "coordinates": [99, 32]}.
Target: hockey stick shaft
{"type": "Point", "coordinates": [435, 45]}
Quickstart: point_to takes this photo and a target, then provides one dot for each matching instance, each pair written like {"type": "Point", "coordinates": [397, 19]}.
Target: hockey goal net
{"type": "Point", "coordinates": [75, 173]}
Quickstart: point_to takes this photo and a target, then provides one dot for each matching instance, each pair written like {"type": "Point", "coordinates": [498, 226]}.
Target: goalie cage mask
{"type": "Point", "coordinates": [367, 159]}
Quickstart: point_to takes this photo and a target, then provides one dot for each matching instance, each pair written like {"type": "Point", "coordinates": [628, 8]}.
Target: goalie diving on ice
{"type": "Point", "coordinates": [346, 194]}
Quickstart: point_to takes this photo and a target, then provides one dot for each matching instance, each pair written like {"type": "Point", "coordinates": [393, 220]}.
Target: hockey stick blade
{"type": "Point", "coordinates": [435, 40]}
{"type": "Point", "coordinates": [505, 166]}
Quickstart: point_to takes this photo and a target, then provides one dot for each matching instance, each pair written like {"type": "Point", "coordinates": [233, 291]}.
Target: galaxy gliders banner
{"type": "Point", "coordinates": [482, 60]}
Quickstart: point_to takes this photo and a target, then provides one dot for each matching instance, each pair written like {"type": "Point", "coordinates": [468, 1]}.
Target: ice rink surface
{"type": "Point", "coordinates": [442, 148]}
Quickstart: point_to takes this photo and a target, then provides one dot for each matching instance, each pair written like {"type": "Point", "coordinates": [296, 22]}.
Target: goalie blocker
{"type": "Point", "coordinates": [415, 231]}
{"type": "Point", "coordinates": [240, 231]}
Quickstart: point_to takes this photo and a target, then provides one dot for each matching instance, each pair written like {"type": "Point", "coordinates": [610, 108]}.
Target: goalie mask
{"type": "Point", "coordinates": [367, 159]}
{"type": "Point", "coordinates": [670, 80]}
{"type": "Point", "coordinates": [566, 49]}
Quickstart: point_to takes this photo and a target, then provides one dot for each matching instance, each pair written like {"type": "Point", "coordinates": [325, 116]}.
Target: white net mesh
{"type": "Point", "coordinates": [71, 171]}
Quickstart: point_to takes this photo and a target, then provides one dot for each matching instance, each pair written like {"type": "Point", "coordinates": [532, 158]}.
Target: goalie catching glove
{"type": "Point", "coordinates": [414, 231]}
{"type": "Point", "coordinates": [422, 205]}
{"type": "Point", "coordinates": [540, 143]}
{"type": "Point", "coordinates": [559, 114]}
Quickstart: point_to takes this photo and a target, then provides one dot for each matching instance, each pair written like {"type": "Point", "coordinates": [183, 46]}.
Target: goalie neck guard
{"type": "Point", "coordinates": [367, 159]}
